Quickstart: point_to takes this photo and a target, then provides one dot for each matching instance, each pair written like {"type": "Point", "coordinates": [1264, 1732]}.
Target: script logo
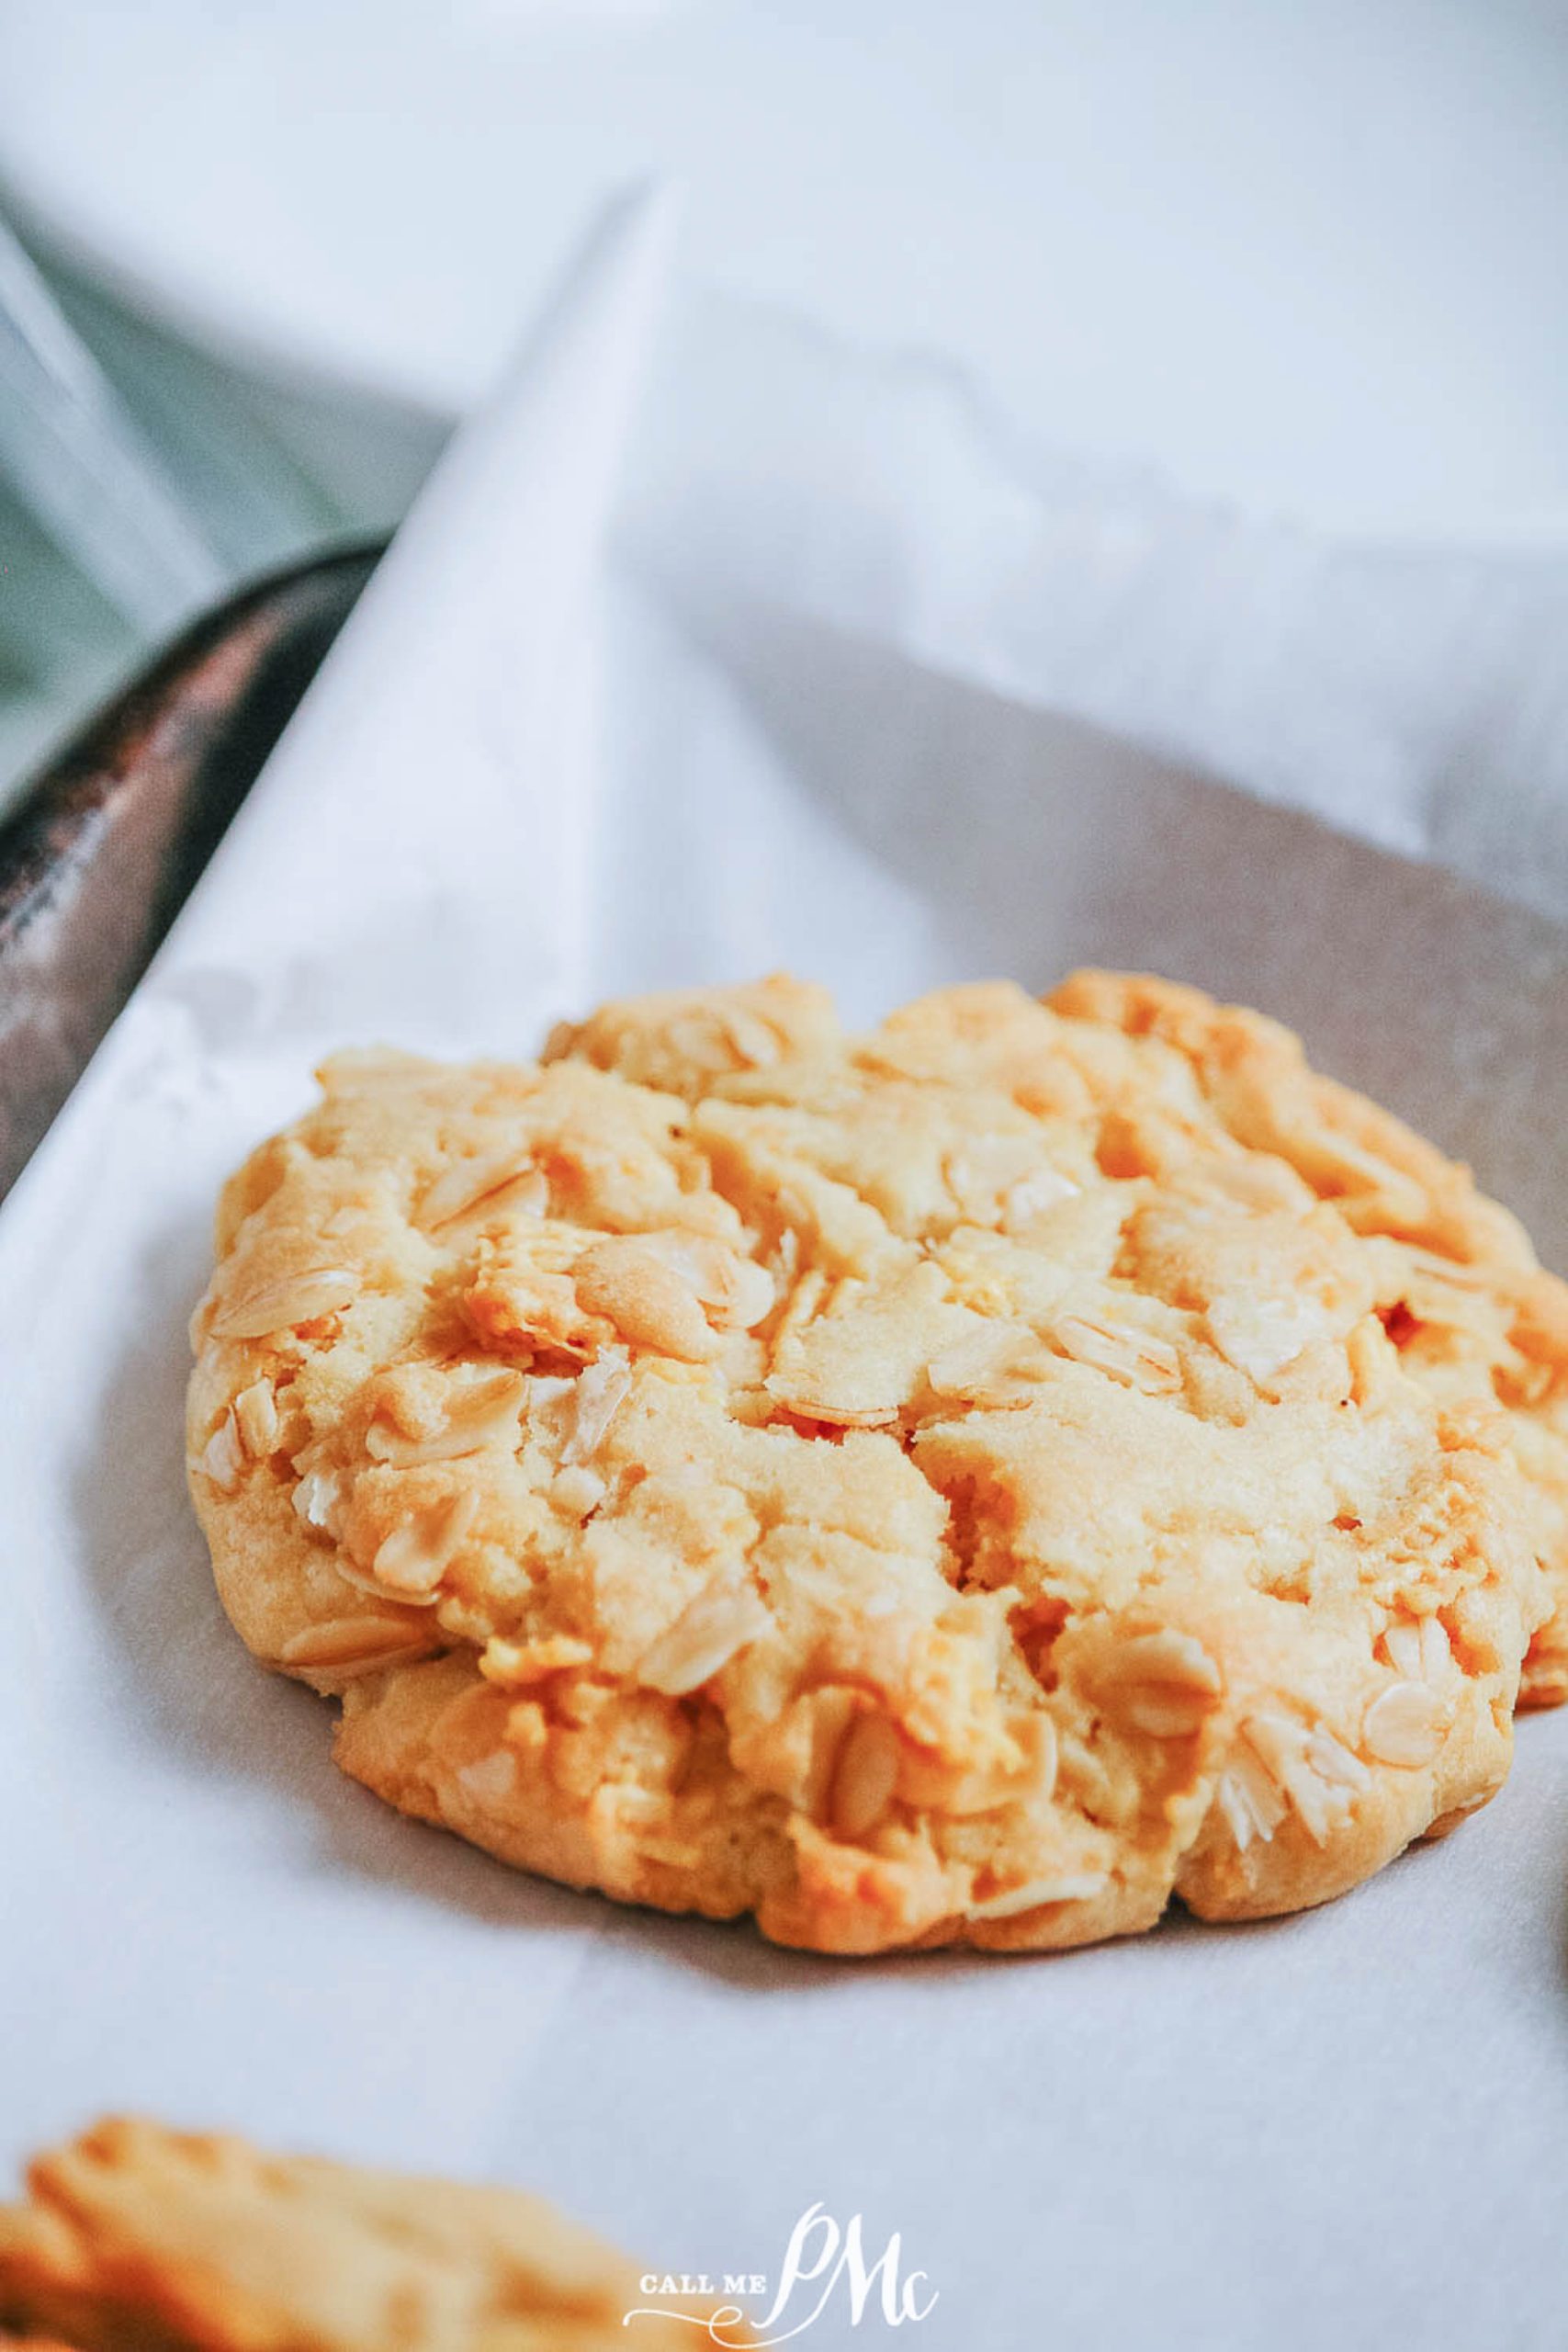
{"type": "Point", "coordinates": [823, 2265]}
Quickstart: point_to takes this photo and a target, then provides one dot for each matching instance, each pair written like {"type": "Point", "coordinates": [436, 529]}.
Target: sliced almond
{"type": "Point", "coordinates": [1047, 1188]}
{"type": "Point", "coordinates": [648, 1301]}
{"type": "Point", "coordinates": [999, 1364]}
{"type": "Point", "coordinates": [356, 1645]}
{"type": "Point", "coordinates": [1258, 1183]}
{"type": "Point", "coordinates": [319, 1500]}
{"type": "Point", "coordinates": [1417, 1648]}
{"type": "Point", "coordinates": [865, 1775]}
{"type": "Point", "coordinates": [980, 1169]}
{"type": "Point", "coordinates": [469, 1183]}
{"type": "Point", "coordinates": [1069, 1886]}
{"type": "Point", "coordinates": [595, 1398]}
{"type": "Point", "coordinates": [1539, 1326]}
{"type": "Point", "coordinates": [756, 1046]}
{"type": "Point", "coordinates": [1261, 1335]}
{"type": "Point", "coordinates": [1337, 1163]}
{"type": "Point", "coordinates": [1403, 1724]}
{"type": "Point", "coordinates": [1315, 1772]}
{"type": "Point", "coordinates": [1335, 1763]}
{"type": "Point", "coordinates": [1136, 1357]}
{"type": "Point", "coordinates": [1164, 1713]}
{"type": "Point", "coordinates": [281, 1305]}
{"type": "Point", "coordinates": [812, 1404]}
{"type": "Point", "coordinates": [410, 1561]}
{"type": "Point", "coordinates": [491, 1781]}
{"type": "Point", "coordinates": [1252, 1803]}
{"type": "Point", "coordinates": [577, 1490]}
{"type": "Point", "coordinates": [478, 1413]}
{"type": "Point", "coordinates": [222, 1458]}
{"type": "Point", "coordinates": [1166, 1683]}
{"type": "Point", "coordinates": [517, 1664]}
{"type": "Point", "coordinates": [255, 1410]}
{"type": "Point", "coordinates": [721, 1620]}
{"type": "Point", "coordinates": [734, 1290]}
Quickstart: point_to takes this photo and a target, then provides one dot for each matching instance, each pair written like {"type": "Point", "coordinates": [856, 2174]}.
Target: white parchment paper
{"type": "Point", "coordinates": [698, 658]}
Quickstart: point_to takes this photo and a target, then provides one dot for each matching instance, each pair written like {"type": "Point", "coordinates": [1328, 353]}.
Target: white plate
{"type": "Point", "coordinates": [1301, 258]}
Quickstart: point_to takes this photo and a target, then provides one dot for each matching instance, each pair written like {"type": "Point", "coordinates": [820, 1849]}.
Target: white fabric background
{"type": "Point", "coordinates": [840, 650]}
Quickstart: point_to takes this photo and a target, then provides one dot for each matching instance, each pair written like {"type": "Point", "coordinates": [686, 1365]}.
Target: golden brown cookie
{"type": "Point", "coordinates": [137, 2239]}
{"type": "Point", "coordinates": [964, 1482]}
{"type": "Point", "coordinates": [1459, 1290]}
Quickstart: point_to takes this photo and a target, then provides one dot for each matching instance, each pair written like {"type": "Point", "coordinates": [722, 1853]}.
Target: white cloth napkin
{"type": "Point", "coordinates": [806, 694]}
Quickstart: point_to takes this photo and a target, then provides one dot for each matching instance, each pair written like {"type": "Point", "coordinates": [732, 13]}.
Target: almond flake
{"type": "Point", "coordinates": [649, 1303]}
{"type": "Point", "coordinates": [1254, 1182]}
{"type": "Point", "coordinates": [1046, 1189]}
{"type": "Point", "coordinates": [812, 1406]}
{"type": "Point", "coordinates": [1445, 1270]}
{"type": "Point", "coordinates": [469, 1182]}
{"type": "Point", "coordinates": [1403, 1724]}
{"type": "Point", "coordinates": [350, 1646]}
{"type": "Point", "coordinates": [749, 1298]}
{"type": "Point", "coordinates": [865, 1775]}
{"type": "Point", "coordinates": [1166, 1683]}
{"type": "Point", "coordinates": [785, 1261]}
{"type": "Point", "coordinates": [1261, 1335]}
{"type": "Point", "coordinates": [1312, 1769]}
{"type": "Point", "coordinates": [1417, 1648]}
{"type": "Point", "coordinates": [1037, 1737]}
{"type": "Point", "coordinates": [981, 1169]}
{"type": "Point", "coordinates": [281, 1305]}
{"type": "Point", "coordinates": [479, 1413]}
{"type": "Point", "coordinates": [1164, 1713]}
{"type": "Point", "coordinates": [411, 1561]}
{"type": "Point", "coordinates": [756, 1046]}
{"type": "Point", "coordinates": [996, 1365]}
{"type": "Point", "coordinates": [1071, 1886]}
{"type": "Point", "coordinates": [596, 1397]}
{"type": "Point", "coordinates": [577, 1490]}
{"type": "Point", "coordinates": [1125, 1352]}
{"type": "Point", "coordinates": [1539, 1326]}
{"type": "Point", "coordinates": [709, 1630]}
{"type": "Point", "coordinates": [1334, 1763]}
{"type": "Point", "coordinates": [519, 1664]}
{"type": "Point", "coordinates": [1337, 1156]}
{"type": "Point", "coordinates": [1249, 1799]}
{"type": "Point", "coordinates": [223, 1457]}
{"type": "Point", "coordinates": [721, 1037]}
{"type": "Point", "coordinates": [255, 1410]}
{"type": "Point", "coordinates": [319, 1502]}
{"type": "Point", "coordinates": [490, 1780]}
{"type": "Point", "coordinates": [734, 1290]}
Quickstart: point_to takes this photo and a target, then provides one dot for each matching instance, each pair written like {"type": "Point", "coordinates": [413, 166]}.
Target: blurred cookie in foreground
{"type": "Point", "coordinates": [134, 2238]}
{"type": "Point", "coordinates": [966, 1482]}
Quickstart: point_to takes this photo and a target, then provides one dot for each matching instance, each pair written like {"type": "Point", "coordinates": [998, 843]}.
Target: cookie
{"type": "Point", "coordinates": [1458, 1289]}
{"type": "Point", "coordinates": [965, 1483]}
{"type": "Point", "coordinates": [136, 2237]}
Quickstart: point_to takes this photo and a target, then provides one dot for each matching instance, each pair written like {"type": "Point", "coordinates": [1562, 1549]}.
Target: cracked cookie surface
{"type": "Point", "coordinates": [964, 1482]}
{"type": "Point", "coordinates": [134, 2238]}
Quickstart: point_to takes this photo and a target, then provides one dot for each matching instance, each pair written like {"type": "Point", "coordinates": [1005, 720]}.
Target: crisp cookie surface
{"type": "Point", "coordinates": [1458, 1288]}
{"type": "Point", "coordinates": [961, 1484]}
{"type": "Point", "coordinates": [134, 2238]}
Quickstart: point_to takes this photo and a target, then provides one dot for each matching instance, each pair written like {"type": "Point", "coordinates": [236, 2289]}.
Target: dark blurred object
{"type": "Point", "coordinates": [102, 851]}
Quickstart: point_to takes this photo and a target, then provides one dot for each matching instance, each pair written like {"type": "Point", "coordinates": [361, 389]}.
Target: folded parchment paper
{"type": "Point", "coordinates": [567, 747]}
